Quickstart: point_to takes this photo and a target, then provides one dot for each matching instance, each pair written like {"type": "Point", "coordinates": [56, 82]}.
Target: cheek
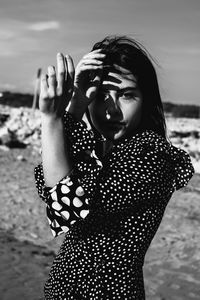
{"type": "Point", "coordinates": [134, 114]}
{"type": "Point", "coordinates": [97, 112]}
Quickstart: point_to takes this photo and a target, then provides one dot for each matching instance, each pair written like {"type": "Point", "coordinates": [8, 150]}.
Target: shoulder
{"type": "Point", "coordinates": [148, 142]}
{"type": "Point", "coordinates": [157, 151]}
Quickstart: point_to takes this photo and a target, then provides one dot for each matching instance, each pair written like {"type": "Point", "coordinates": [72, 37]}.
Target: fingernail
{"type": "Point", "coordinates": [51, 69]}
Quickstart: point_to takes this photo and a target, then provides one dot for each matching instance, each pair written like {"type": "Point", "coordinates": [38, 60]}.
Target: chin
{"type": "Point", "coordinates": [114, 136]}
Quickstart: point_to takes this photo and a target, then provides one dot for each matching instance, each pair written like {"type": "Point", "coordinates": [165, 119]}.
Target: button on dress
{"type": "Point", "coordinates": [109, 209]}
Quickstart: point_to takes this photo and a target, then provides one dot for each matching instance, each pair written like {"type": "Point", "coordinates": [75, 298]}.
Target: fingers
{"type": "Point", "coordinates": [89, 72]}
{"type": "Point", "coordinates": [91, 61]}
{"type": "Point", "coordinates": [94, 55]}
{"type": "Point", "coordinates": [70, 66]}
{"type": "Point", "coordinates": [90, 67]}
{"type": "Point", "coordinates": [44, 86]}
{"type": "Point", "coordinates": [52, 81]}
{"type": "Point", "coordinates": [61, 73]}
{"type": "Point", "coordinates": [59, 84]}
{"type": "Point", "coordinates": [90, 64]}
{"type": "Point", "coordinates": [57, 87]}
{"type": "Point", "coordinates": [94, 84]}
{"type": "Point", "coordinates": [70, 75]}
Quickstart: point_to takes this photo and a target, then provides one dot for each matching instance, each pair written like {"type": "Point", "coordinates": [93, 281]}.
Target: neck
{"type": "Point", "coordinates": [107, 146]}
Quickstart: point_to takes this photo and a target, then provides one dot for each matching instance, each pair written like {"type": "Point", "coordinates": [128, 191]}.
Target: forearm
{"type": "Point", "coordinates": [55, 153]}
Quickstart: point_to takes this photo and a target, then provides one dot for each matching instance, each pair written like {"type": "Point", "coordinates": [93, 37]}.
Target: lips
{"type": "Point", "coordinates": [115, 125]}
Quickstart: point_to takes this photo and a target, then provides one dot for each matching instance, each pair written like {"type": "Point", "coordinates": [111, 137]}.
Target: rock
{"type": "Point", "coordinates": [33, 235]}
{"type": "Point", "coordinates": [15, 144]}
{"type": "Point", "coordinates": [21, 158]}
{"type": "Point", "coordinates": [4, 148]}
{"type": "Point", "coordinates": [3, 118]}
{"type": "Point", "coordinates": [21, 127]}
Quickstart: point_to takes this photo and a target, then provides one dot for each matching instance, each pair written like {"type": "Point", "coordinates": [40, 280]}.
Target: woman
{"type": "Point", "coordinates": [106, 187]}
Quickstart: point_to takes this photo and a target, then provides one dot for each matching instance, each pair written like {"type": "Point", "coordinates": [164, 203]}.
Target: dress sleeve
{"type": "Point", "coordinates": [176, 165]}
{"type": "Point", "coordinates": [81, 141]}
{"type": "Point", "coordinates": [69, 200]}
{"type": "Point", "coordinates": [147, 169]}
{"type": "Point", "coordinates": [184, 169]}
{"type": "Point", "coordinates": [160, 167]}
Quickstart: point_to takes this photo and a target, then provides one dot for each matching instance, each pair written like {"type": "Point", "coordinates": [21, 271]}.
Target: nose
{"type": "Point", "coordinates": [113, 105]}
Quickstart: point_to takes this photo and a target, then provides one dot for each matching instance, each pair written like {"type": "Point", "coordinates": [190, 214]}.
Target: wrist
{"type": "Point", "coordinates": [51, 121]}
{"type": "Point", "coordinates": [77, 109]}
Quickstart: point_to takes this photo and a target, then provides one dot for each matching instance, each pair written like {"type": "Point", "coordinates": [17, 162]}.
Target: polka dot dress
{"type": "Point", "coordinates": [109, 210]}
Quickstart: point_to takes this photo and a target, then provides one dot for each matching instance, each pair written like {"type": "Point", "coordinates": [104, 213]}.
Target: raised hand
{"type": "Point", "coordinates": [86, 82]}
{"type": "Point", "coordinates": [57, 89]}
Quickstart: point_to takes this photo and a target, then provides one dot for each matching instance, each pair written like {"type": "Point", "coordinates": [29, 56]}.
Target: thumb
{"type": "Point", "coordinates": [94, 85]}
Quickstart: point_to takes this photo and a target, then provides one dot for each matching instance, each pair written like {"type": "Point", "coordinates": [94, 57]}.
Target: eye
{"type": "Point", "coordinates": [127, 96]}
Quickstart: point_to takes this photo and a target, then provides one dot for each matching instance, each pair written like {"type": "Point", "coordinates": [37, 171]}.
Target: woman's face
{"type": "Point", "coordinates": [116, 111]}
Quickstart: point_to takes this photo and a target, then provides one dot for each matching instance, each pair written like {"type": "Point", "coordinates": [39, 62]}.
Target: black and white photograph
{"type": "Point", "coordinates": [99, 150]}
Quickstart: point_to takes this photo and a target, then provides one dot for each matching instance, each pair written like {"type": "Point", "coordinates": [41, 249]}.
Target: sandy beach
{"type": "Point", "coordinates": [172, 266]}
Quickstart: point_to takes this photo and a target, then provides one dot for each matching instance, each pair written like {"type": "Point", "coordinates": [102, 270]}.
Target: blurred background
{"type": "Point", "coordinates": [31, 33]}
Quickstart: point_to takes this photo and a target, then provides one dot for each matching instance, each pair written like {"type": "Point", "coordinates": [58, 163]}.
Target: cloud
{"type": "Point", "coordinates": [18, 45]}
{"type": "Point", "coordinates": [6, 34]}
{"type": "Point", "coordinates": [42, 26]}
{"type": "Point", "coordinates": [15, 37]}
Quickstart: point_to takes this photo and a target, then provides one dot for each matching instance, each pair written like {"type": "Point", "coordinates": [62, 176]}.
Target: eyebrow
{"type": "Point", "coordinates": [121, 90]}
{"type": "Point", "coordinates": [128, 89]}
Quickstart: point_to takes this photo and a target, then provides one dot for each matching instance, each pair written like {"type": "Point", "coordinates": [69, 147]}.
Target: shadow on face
{"type": "Point", "coordinates": [116, 111]}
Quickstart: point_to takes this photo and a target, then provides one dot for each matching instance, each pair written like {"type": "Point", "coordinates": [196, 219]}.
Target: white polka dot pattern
{"type": "Point", "coordinates": [110, 210]}
{"type": "Point", "coordinates": [66, 203]}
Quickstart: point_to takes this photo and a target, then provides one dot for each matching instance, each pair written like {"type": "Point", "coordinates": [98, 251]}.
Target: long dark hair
{"type": "Point", "coordinates": [130, 54]}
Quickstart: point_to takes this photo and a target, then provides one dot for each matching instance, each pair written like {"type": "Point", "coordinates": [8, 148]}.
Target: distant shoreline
{"type": "Point", "coordinates": [170, 109]}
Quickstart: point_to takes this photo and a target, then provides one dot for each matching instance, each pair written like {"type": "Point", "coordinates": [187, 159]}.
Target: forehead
{"type": "Point", "coordinates": [118, 77]}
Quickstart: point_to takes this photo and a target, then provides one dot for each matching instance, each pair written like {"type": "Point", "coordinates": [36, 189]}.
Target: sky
{"type": "Point", "coordinates": [33, 31]}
